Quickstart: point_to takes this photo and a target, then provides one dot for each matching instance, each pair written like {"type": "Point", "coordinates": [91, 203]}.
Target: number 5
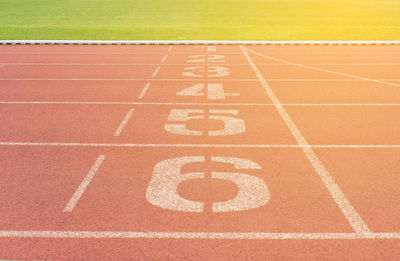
{"type": "Point", "coordinates": [232, 125]}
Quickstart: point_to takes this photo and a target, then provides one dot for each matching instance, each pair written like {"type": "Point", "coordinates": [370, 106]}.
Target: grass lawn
{"type": "Point", "coordinates": [200, 19]}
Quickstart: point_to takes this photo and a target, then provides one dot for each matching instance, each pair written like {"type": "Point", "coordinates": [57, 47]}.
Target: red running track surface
{"type": "Point", "coordinates": [191, 152]}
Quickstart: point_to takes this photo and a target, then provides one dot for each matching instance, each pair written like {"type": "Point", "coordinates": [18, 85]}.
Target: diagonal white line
{"type": "Point", "coordinates": [344, 204]}
{"type": "Point", "coordinates": [124, 122]}
{"type": "Point", "coordinates": [321, 70]}
{"type": "Point", "coordinates": [155, 72]}
{"type": "Point", "coordinates": [143, 92]}
{"type": "Point", "coordinates": [78, 193]}
{"type": "Point", "coordinates": [164, 58]}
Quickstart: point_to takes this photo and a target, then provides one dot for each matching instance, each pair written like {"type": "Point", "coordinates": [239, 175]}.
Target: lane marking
{"type": "Point", "coordinates": [182, 64]}
{"type": "Point", "coordinates": [165, 58]}
{"type": "Point", "coordinates": [321, 70]}
{"type": "Point", "coordinates": [183, 53]}
{"type": "Point", "coordinates": [355, 220]}
{"type": "Point", "coordinates": [78, 193]}
{"type": "Point", "coordinates": [191, 80]}
{"type": "Point", "coordinates": [155, 72]}
{"type": "Point", "coordinates": [124, 122]}
{"type": "Point", "coordinates": [189, 145]}
{"type": "Point", "coordinates": [205, 103]}
{"type": "Point", "coordinates": [138, 103]}
{"type": "Point", "coordinates": [211, 48]}
{"type": "Point", "coordinates": [193, 235]}
{"type": "Point", "coordinates": [195, 42]}
{"type": "Point", "coordinates": [143, 92]}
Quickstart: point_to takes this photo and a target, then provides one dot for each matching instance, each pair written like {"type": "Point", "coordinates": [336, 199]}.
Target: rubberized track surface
{"type": "Point", "coordinates": [200, 152]}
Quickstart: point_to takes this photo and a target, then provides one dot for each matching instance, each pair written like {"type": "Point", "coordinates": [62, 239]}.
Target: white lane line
{"type": "Point", "coordinates": [211, 48]}
{"type": "Point", "coordinates": [124, 122]}
{"type": "Point", "coordinates": [190, 145]}
{"type": "Point", "coordinates": [207, 104]}
{"type": "Point", "coordinates": [196, 42]}
{"type": "Point", "coordinates": [183, 64]}
{"type": "Point", "coordinates": [138, 103]}
{"type": "Point", "coordinates": [78, 193]}
{"type": "Point", "coordinates": [190, 80]}
{"type": "Point", "coordinates": [193, 235]}
{"type": "Point", "coordinates": [355, 220]}
{"type": "Point", "coordinates": [322, 70]}
{"type": "Point", "coordinates": [143, 92]}
{"type": "Point", "coordinates": [165, 58]}
{"type": "Point", "coordinates": [155, 72]}
{"type": "Point", "coordinates": [108, 53]}
{"type": "Point", "coordinates": [170, 48]}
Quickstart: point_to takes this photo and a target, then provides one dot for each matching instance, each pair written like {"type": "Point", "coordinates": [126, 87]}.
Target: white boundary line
{"type": "Point", "coordinates": [200, 145]}
{"type": "Point", "coordinates": [355, 220]}
{"type": "Point", "coordinates": [192, 235]}
{"type": "Point", "coordinates": [196, 42]}
{"type": "Point", "coordinates": [79, 191]}
{"type": "Point", "coordinates": [201, 104]}
{"type": "Point", "coordinates": [184, 64]}
{"type": "Point", "coordinates": [124, 122]}
{"type": "Point", "coordinates": [321, 70]}
{"type": "Point", "coordinates": [192, 80]}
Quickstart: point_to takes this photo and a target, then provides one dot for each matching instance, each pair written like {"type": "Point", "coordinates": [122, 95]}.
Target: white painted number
{"type": "Point", "coordinates": [205, 71]}
{"type": "Point", "coordinates": [163, 187]}
{"type": "Point", "coordinates": [203, 58]}
{"type": "Point", "coordinates": [215, 91]}
{"type": "Point", "coordinates": [232, 125]}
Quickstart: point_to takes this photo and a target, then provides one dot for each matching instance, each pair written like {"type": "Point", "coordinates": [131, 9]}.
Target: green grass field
{"type": "Point", "coordinates": [200, 19]}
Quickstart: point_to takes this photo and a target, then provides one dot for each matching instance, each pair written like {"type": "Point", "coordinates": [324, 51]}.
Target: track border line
{"type": "Point", "coordinates": [348, 210]}
{"type": "Point", "coordinates": [195, 42]}
{"type": "Point", "coordinates": [192, 235]}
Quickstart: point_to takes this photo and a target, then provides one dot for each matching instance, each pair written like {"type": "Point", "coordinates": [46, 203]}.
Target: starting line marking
{"type": "Point", "coordinates": [79, 191]}
{"type": "Point", "coordinates": [183, 145]}
{"type": "Point", "coordinates": [355, 220]}
{"type": "Point", "coordinates": [192, 235]}
{"type": "Point", "coordinates": [124, 122]}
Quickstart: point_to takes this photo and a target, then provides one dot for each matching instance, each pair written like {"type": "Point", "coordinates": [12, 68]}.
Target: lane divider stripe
{"type": "Point", "coordinates": [355, 220]}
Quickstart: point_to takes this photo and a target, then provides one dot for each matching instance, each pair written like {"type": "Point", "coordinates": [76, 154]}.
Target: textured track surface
{"type": "Point", "coordinates": [200, 152]}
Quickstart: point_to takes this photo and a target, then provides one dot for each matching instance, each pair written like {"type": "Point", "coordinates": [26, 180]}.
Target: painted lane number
{"type": "Point", "coordinates": [232, 125]}
{"type": "Point", "coordinates": [214, 91]}
{"type": "Point", "coordinates": [162, 190]}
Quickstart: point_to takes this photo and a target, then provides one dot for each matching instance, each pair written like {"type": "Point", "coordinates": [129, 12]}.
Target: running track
{"type": "Point", "coordinates": [276, 152]}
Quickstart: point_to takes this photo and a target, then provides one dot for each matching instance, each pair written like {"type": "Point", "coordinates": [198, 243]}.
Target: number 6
{"type": "Point", "coordinates": [163, 186]}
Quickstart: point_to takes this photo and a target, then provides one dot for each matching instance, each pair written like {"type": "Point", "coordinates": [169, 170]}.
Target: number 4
{"type": "Point", "coordinates": [215, 91]}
